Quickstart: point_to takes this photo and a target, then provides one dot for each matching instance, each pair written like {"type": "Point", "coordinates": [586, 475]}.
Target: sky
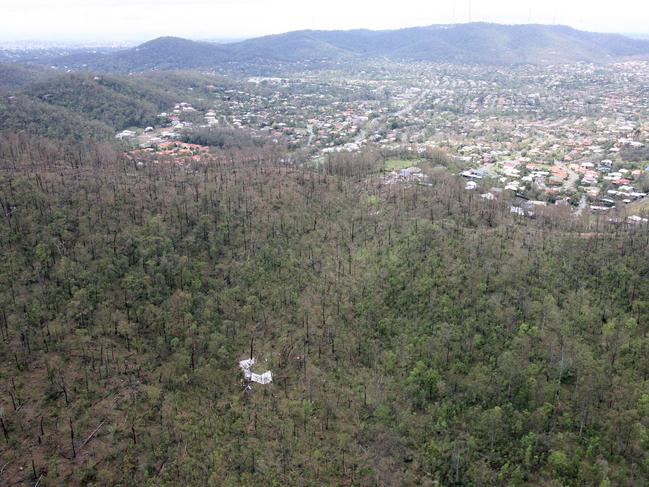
{"type": "Point", "coordinates": [114, 21]}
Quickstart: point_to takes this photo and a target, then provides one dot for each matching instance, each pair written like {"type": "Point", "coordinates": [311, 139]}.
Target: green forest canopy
{"type": "Point", "coordinates": [416, 334]}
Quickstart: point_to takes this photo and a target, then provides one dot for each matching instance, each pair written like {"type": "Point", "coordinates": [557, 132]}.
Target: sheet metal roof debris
{"type": "Point", "coordinates": [249, 375]}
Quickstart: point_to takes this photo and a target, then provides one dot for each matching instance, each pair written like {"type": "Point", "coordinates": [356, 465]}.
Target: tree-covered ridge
{"type": "Point", "coordinates": [416, 335]}
{"type": "Point", "coordinates": [114, 102]}
{"type": "Point", "coordinates": [36, 117]}
{"type": "Point", "coordinates": [14, 76]}
{"type": "Point", "coordinates": [84, 106]}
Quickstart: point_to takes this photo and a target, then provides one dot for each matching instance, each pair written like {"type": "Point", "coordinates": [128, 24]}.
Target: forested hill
{"type": "Point", "coordinates": [462, 43]}
{"type": "Point", "coordinates": [14, 76]}
{"type": "Point", "coordinates": [81, 105]}
{"type": "Point", "coordinates": [416, 334]}
{"type": "Point", "coordinates": [162, 53]}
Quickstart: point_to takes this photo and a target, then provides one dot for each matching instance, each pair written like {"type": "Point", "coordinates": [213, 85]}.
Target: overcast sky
{"type": "Point", "coordinates": [134, 20]}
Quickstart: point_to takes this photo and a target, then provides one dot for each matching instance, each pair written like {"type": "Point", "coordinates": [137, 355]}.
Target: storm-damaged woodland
{"type": "Point", "coordinates": [415, 333]}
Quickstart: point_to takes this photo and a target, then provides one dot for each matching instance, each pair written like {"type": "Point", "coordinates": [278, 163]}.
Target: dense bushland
{"type": "Point", "coordinates": [417, 335]}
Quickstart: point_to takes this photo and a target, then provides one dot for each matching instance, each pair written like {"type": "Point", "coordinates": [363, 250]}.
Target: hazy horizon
{"type": "Point", "coordinates": [109, 22]}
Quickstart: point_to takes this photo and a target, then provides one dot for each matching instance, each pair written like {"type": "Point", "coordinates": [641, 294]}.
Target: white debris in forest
{"type": "Point", "coordinates": [246, 366]}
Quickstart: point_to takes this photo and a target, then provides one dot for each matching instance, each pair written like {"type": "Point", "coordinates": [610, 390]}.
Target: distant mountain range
{"type": "Point", "coordinates": [462, 43]}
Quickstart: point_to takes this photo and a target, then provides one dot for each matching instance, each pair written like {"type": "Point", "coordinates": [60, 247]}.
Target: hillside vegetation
{"type": "Point", "coordinates": [14, 76]}
{"type": "Point", "coordinates": [37, 117]}
{"type": "Point", "coordinates": [85, 106]}
{"type": "Point", "coordinates": [416, 335]}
